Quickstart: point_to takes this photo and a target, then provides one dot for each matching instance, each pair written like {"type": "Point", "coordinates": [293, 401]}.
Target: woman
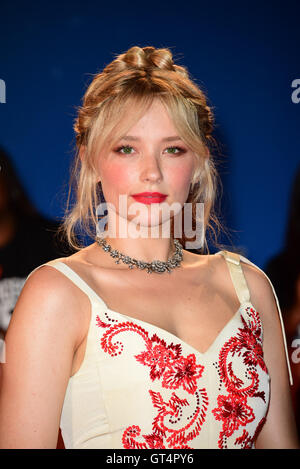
{"type": "Point", "coordinates": [119, 358]}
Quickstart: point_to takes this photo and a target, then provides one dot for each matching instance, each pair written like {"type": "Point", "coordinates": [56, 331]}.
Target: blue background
{"type": "Point", "coordinates": [244, 55]}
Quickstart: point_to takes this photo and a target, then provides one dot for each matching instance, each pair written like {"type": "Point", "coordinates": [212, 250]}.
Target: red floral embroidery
{"type": "Point", "coordinates": [169, 413]}
{"type": "Point", "coordinates": [250, 339]}
{"type": "Point", "coordinates": [179, 420]}
{"type": "Point", "coordinates": [175, 371]}
{"type": "Point", "coordinates": [258, 428]}
{"type": "Point", "coordinates": [247, 343]}
{"type": "Point", "coordinates": [101, 323]}
{"type": "Point", "coordinates": [129, 436]}
{"type": "Point", "coordinates": [244, 441]}
{"type": "Point", "coordinates": [184, 372]}
{"type": "Point", "coordinates": [159, 357]}
{"type": "Point", "coordinates": [233, 409]}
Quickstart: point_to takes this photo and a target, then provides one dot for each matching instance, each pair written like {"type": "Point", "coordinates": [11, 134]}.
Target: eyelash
{"type": "Point", "coordinates": [181, 150]}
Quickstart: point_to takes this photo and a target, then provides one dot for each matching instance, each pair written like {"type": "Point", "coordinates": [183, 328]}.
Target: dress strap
{"type": "Point", "coordinates": [74, 277]}
{"type": "Point", "coordinates": [237, 275]}
{"type": "Point", "coordinates": [243, 291]}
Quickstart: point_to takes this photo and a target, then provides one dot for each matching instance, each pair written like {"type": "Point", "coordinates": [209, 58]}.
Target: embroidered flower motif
{"type": "Point", "coordinates": [166, 363]}
{"type": "Point", "coordinates": [252, 349]}
{"type": "Point", "coordinates": [159, 356]}
{"type": "Point", "coordinates": [233, 411]}
{"type": "Point", "coordinates": [184, 372]}
{"type": "Point", "coordinates": [179, 419]}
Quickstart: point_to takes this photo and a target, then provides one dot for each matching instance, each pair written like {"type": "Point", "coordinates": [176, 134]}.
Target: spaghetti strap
{"type": "Point", "coordinates": [237, 275]}
{"type": "Point", "coordinates": [74, 277]}
{"type": "Point", "coordinates": [244, 294]}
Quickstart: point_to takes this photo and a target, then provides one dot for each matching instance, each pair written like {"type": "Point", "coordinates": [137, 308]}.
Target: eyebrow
{"type": "Point", "coordinates": [167, 139]}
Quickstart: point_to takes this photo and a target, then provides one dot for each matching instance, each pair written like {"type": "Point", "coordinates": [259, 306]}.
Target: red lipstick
{"type": "Point", "coordinates": [149, 197]}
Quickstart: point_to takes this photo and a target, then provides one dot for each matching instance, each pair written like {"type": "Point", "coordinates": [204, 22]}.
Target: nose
{"type": "Point", "coordinates": [151, 168]}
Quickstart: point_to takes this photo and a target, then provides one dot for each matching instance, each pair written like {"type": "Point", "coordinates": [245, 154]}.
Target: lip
{"type": "Point", "coordinates": [149, 194]}
{"type": "Point", "coordinates": [149, 197]}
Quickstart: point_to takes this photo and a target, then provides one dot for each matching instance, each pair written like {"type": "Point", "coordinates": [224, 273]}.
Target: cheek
{"type": "Point", "coordinates": [181, 177]}
{"type": "Point", "coordinates": [117, 178]}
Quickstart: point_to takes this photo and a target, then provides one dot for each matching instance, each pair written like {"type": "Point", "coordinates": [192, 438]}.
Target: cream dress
{"type": "Point", "coordinates": [141, 387]}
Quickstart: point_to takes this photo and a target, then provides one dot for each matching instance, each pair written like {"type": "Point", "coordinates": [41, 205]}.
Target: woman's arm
{"type": "Point", "coordinates": [40, 344]}
{"type": "Point", "coordinates": [279, 430]}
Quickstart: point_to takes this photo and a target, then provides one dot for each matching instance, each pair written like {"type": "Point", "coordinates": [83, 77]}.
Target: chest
{"type": "Point", "coordinates": [193, 311]}
{"type": "Point", "coordinates": [151, 381]}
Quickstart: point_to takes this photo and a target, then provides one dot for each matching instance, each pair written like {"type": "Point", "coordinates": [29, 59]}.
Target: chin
{"type": "Point", "coordinates": [154, 225]}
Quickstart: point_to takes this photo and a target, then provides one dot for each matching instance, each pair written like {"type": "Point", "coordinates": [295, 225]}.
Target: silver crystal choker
{"type": "Point", "coordinates": [154, 266]}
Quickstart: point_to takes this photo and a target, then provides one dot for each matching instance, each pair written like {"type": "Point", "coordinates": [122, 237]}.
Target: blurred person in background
{"type": "Point", "coordinates": [26, 238]}
{"type": "Point", "coordinates": [284, 272]}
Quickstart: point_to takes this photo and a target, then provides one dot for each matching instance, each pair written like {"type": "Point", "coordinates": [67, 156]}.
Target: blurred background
{"type": "Point", "coordinates": [245, 57]}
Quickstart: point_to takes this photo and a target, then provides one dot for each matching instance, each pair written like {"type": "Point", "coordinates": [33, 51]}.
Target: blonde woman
{"type": "Point", "coordinates": [120, 350]}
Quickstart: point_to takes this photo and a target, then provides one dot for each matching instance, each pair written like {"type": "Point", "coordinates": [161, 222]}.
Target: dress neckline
{"type": "Point", "coordinates": [95, 298]}
{"type": "Point", "coordinates": [176, 338]}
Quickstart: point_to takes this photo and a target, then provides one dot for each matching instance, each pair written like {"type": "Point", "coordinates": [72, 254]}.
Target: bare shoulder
{"type": "Point", "coordinates": [50, 286]}
{"type": "Point", "coordinates": [49, 297]}
{"type": "Point", "coordinates": [40, 344]}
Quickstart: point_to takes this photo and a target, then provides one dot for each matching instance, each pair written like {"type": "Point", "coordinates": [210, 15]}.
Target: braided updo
{"type": "Point", "coordinates": [131, 82]}
{"type": "Point", "coordinates": [141, 70]}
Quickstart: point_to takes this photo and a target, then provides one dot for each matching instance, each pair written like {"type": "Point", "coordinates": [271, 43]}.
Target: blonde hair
{"type": "Point", "coordinates": [131, 81]}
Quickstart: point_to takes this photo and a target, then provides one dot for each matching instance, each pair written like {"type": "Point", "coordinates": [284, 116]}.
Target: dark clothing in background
{"type": "Point", "coordinates": [284, 272]}
{"type": "Point", "coordinates": [32, 245]}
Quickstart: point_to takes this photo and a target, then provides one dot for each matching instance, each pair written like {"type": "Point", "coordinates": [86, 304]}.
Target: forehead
{"type": "Point", "coordinates": [155, 119]}
{"type": "Point", "coordinates": [141, 118]}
